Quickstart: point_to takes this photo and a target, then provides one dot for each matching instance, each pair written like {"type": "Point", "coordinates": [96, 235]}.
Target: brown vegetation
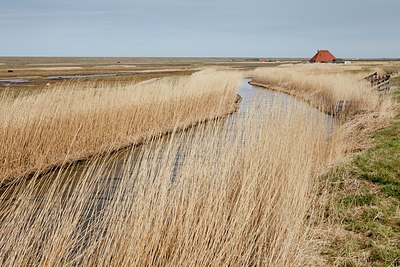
{"type": "Point", "coordinates": [73, 122]}
{"type": "Point", "coordinates": [324, 87]}
{"type": "Point", "coordinates": [242, 192]}
{"type": "Point", "coordinates": [350, 234]}
{"type": "Point", "coordinates": [220, 194]}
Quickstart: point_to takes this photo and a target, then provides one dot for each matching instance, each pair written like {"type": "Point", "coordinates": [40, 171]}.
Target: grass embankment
{"type": "Point", "coordinates": [323, 87]}
{"type": "Point", "coordinates": [395, 80]}
{"type": "Point", "coordinates": [364, 209]}
{"type": "Point", "coordinates": [74, 121]}
{"type": "Point", "coordinates": [362, 222]}
{"type": "Point", "coordinates": [391, 69]}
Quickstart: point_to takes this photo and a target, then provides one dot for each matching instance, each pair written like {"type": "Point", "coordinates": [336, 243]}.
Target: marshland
{"type": "Point", "coordinates": [197, 162]}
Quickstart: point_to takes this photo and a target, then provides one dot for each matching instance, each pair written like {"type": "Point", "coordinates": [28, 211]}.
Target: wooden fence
{"type": "Point", "coordinates": [379, 82]}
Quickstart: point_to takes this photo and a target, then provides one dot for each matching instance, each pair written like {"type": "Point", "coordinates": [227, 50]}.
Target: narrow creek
{"type": "Point", "coordinates": [256, 103]}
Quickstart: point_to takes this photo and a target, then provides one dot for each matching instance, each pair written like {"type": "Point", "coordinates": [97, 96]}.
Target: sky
{"type": "Point", "coordinates": [206, 28]}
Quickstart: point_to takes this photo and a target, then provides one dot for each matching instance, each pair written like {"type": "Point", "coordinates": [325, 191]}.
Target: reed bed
{"type": "Point", "coordinates": [241, 191]}
{"type": "Point", "coordinates": [74, 121]}
{"type": "Point", "coordinates": [326, 87]}
{"type": "Point", "coordinates": [323, 86]}
{"type": "Point", "coordinates": [227, 193]}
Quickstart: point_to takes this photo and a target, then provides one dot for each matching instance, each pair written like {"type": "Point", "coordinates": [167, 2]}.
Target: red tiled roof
{"type": "Point", "coordinates": [323, 56]}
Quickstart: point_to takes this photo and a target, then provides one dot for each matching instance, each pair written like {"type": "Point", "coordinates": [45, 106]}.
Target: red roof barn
{"type": "Point", "coordinates": [323, 56]}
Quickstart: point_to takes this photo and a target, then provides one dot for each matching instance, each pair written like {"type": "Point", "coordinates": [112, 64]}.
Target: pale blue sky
{"type": "Point", "coordinates": [207, 28]}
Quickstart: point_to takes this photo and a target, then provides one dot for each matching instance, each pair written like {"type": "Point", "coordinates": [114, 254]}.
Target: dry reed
{"type": "Point", "coordinates": [222, 194]}
{"type": "Point", "coordinates": [72, 121]}
{"type": "Point", "coordinates": [239, 192]}
{"type": "Point", "coordinates": [325, 87]}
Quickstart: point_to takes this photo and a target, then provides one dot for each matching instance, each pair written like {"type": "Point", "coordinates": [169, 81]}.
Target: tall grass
{"type": "Point", "coordinates": [324, 87]}
{"type": "Point", "coordinates": [228, 193]}
{"type": "Point", "coordinates": [236, 192]}
{"type": "Point", "coordinates": [74, 121]}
